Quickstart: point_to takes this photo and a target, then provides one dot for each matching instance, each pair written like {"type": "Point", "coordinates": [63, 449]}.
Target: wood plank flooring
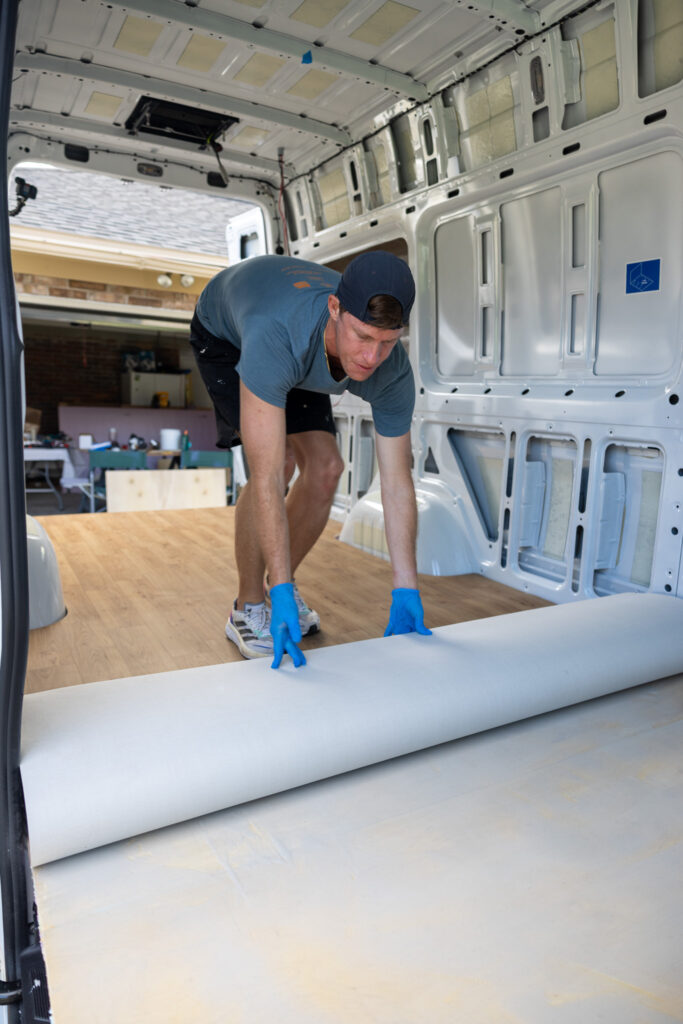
{"type": "Point", "coordinates": [151, 591]}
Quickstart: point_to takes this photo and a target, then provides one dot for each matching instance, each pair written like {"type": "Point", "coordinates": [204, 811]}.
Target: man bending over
{"type": "Point", "coordinates": [274, 337]}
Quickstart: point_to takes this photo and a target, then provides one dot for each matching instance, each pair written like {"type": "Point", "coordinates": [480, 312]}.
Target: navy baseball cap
{"type": "Point", "coordinates": [376, 273]}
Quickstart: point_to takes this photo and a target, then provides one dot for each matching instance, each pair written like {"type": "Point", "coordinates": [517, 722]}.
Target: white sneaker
{"type": "Point", "coordinates": [309, 621]}
{"type": "Point", "coordinates": [249, 628]}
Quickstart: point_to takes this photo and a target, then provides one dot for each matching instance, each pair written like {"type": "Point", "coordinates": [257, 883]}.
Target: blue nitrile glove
{"type": "Point", "coordinates": [406, 615]}
{"type": "Point", "coordinates": [284, 624]}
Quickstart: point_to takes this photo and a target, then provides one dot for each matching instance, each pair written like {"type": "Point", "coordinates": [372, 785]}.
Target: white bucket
{"type": "Point", "coordinates": [169, 440]}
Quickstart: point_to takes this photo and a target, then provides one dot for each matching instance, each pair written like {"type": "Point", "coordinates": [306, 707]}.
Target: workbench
{"type": "Point", "coordinates": [41, 458]}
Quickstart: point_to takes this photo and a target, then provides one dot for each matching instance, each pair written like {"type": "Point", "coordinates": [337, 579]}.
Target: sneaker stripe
{"type": "Point", "coordinates": [248, 628]}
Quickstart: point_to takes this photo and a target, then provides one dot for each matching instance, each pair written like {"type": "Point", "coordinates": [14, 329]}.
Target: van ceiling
{"type": "Point", "coordinates": [273, 87]}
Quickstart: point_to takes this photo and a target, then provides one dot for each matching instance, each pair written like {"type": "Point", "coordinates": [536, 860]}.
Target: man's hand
{"type": "Point", "coordinates": [406, 615]}
{"type": "Point", "coordinates": [400, 525]}
{"type": "Point", "coordinates": [284, 625]}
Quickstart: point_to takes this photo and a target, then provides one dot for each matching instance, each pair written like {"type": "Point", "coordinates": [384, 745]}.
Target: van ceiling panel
{"type": "Point", "coordinates": [309, 79]}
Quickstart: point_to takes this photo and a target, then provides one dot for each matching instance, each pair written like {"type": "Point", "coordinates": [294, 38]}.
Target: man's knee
{"type": "Point", "coordinates": [328, 472]}
{"type": "Point", "coordinates": [320, 463]}
{"type": "Point", "coordinates": [321, 471]}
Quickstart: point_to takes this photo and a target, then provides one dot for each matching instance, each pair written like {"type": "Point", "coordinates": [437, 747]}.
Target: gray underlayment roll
{"type": "Point", "coordinates": [107, 761]}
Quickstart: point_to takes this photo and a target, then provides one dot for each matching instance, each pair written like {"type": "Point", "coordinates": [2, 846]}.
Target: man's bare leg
{"type": "Point", "coordinates": [248, 557]}
{"type": "Point", "coordinates": [310, 498]}
{"type": "Point", "coordinates": [308, 507]}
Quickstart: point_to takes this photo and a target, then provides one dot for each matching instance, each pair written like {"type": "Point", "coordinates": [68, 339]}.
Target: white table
{"type": "Point", "coordinates": [40, 457]}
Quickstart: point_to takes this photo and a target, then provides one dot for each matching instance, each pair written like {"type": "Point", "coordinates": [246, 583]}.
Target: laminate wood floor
{"type": "Point", "coordinates": [151, 591]}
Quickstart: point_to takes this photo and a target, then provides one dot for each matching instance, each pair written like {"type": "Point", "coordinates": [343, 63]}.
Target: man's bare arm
{"type": "Point", "coordinates": [400, 510]}
{"type": "Point", "coordinates": [400, 525]}
{"type": "Point", "coordinates": [263, 432]}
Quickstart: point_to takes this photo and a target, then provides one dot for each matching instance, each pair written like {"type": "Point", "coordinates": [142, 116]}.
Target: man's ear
{"type": "Point", "coordinates": [333, 306]}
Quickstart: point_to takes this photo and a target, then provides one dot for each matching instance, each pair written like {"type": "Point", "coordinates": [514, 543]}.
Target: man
{"type": "Point", "coordinates": [274, 337]}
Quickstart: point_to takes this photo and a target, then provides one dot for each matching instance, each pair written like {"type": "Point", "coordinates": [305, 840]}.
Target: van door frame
{"type": "Point", "coordinates": [14, 870]}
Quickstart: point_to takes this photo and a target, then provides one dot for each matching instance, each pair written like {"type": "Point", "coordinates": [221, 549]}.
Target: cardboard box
{"type": "Point", "coordinates": [32, 423]}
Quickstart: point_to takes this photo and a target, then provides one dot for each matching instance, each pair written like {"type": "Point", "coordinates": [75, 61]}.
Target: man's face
{"type": "Point", "coordinates": [357, 346]}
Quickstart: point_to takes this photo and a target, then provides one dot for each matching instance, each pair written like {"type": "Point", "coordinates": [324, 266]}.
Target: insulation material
{"type": "Point", "coordinates": [491, 475]}
{"type": "Point", "coordinates": [668, 43]}
{"type": "Point", "coordinates": [429, 888]}
{"type": "Point", "coordinates": [366, 522]}
{"type": "Point", "coordinates": [318, 12]}
{"type": "Point", "coordinates": [201, 53]}
{"type": "Point", "coordinates": [311, 85]}
{"type": "Point", "coordinates": [386, 22]}
{"type": "Point", "coordinates": [259, 69]}
{"type": "Point", "coordinates": [489, 130]}
{"type": "Point", "coordinates": [334, 196]}
{"type": "Point", "coordinates": [138, 35]}
{"type": "Point", "coordinates": [533, 498]}
{"type": "Point", "coordinates": [561, 484]}
{"type": "Point", "coordinates": [650, 486]}
{"type": "Point", "coordinates": [367, 465]}
{"type": "Point", "coordinates": [612, 503]}
{"type": "Point", "coordinates": [249, 138]}
{"type": "Point", "coordinates": [631, 515]}
{"type": "Point", "coordinates": [106, 761]}
{"type": "Point", "coordinates": [378, 151]}
{"type": "Point", "coordinates": [410, 167]}
{"type": "Point", "coordinates": [102, 104]}
{"type": "Point", "coordinates": [600, 82]}
{"type": "Point", "coordinates": [342, 427]}
{"type": "Point", "coordinates": [476, 453]}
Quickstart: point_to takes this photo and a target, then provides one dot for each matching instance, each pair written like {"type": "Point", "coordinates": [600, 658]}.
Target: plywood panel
{"type": "Point", "coordinates": [147, 490]}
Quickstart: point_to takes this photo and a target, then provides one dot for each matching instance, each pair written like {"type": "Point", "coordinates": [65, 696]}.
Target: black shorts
{"type": "Point", "coordinates": [217, 360]}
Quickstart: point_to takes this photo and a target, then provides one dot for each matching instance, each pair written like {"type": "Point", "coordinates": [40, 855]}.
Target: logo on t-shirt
{"type": "Point", "coordinates": [315, 275]}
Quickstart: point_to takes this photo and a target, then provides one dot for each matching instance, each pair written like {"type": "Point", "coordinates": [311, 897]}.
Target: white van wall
{"type": "Point", "coordinates": [546, 337]}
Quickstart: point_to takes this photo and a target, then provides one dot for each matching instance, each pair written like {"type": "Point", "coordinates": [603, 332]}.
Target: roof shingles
{"type": "Point", "coordinates": [84, 203]}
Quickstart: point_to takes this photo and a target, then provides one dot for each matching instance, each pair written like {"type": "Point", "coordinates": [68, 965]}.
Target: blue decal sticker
{"type": "Point", "coordinates": [643, 276]}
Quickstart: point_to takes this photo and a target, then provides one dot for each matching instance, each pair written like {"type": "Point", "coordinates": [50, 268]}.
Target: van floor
{"type": "Point", "coordinates": [150, 592]}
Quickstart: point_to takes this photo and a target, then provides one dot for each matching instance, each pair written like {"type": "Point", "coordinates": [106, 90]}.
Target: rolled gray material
{"type": "Point", "coordinates": [107, 761]}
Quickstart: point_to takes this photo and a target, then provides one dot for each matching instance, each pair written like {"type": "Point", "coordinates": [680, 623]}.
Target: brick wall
{"type": "Point", "coordinates": [95, 291]}
{"type": "Point", "coordinates": [81, 365]}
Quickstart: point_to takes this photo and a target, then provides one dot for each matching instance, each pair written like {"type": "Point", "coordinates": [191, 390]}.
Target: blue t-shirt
{"type": "Point", "coordinates": [274, 309]}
